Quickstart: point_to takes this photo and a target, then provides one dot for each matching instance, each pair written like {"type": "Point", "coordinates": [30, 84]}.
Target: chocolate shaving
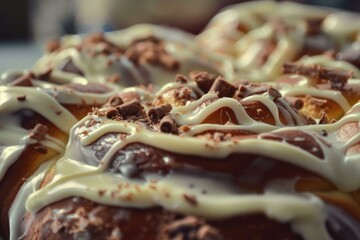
{"type": "Point", "coordinates": [310, 120]}
{"type": "Point", "coordinates": [39, 132]}
{"type": "Point", "coordinates": [274, 92]}
{"type": "Point", "coordinates": [151, 50]}
{"type": "Point", "coordinates": [23, 81]}
{"type": "Point", "coordinates": [159, 112]}
{"type": "Point", "coordinates": [69, 66]}
{"type": "Point", "coordinates": [130, 108]}
{"type": "Point", "coordinates": [203, 80]}
{"type": "Point", "coordinates": [112, 113]}
{"type": "Point", "coordinates": [324, 133]}
{"type": "Point", "coordinates": [168, 125]}
{"type": "Point", "coordinates": [223, 88]}
{"type": "Point", "coordinates": [323, 119]}
{"type": "Point", "coordinates": [21, 98]}
{"type": "Point", "coordinates": [181, 79]}
{"type": "Point", "coordinates": [316, 101]}
{"type": "Point", "coordinates": [337, 78]}
{"type": "Point", "coordinates": [295, 102]}
{"type": "Point", "coordinates": [190, 199]}
{"type": "Point", "coordinates": [114, 101]}
{"type": "Point", "coordinates": [246, 89]}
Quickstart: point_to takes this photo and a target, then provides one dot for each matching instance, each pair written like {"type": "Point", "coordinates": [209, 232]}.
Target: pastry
{"type": "Point", "coordinates": [259, 36]}
{"type": "Point", "coordinates": [197, 161]}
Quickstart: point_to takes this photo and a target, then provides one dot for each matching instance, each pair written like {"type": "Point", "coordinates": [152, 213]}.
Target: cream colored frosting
{"type": "Point", "coordinates": [98, 68]}
{"type": "Point", "coordinates": [224, 34]}
{"type": "Point", "coordinates": [73, 177]}
{"type": "Point", "coordinates": [307, 214]}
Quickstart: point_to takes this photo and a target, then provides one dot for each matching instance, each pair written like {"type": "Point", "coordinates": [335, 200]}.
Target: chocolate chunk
{"type": "Point", "coordinates": [274, 92]}
{"type": "Point", "coordinates": [159, 112]}
{"type": "Point", "coordinates": [130, 108]}
{"type": "Point", "coordinates": [324, 133]}
{"type": "Point", "coordinates": [223, 88]}
{"type": "Point", "coordinates": [53, 45]}
{"type": "Point", "coordinates": [21, 98]}
{"type": "Point", "coordinates": [324, 119]}
{"type": "Point", "coordinates": [337, 78]}
{"type": "Point", "coordinates": [23, 81]}
{"type": "Point", "coordinates": [246, 89]}
{"type": "Point", "coordinates": [168, 125]}
{"type": "Point", "coordinates": [70, 67]}
{"type": "Point", "coordinates": [112, 113]}
{"type": "Point", "coordinates": [39, 132]}
{"type": "Point", "coordinates": [114, 101]}
{"type": "Point", "coordinates": [203, 80]}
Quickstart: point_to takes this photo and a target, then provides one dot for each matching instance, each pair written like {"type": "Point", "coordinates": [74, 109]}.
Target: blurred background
{"type": "Point", "coordinates": [26, 24]}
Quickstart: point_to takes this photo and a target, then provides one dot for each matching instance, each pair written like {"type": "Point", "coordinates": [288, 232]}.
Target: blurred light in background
{"type": "Point", "coordinates": [32, 21]}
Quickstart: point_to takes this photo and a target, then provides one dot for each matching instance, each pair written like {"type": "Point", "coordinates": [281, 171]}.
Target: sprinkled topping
{"type": "Point", "coordinates": [157, 113]}
{"type": "Point", "coordinates": [168, 125]}
{"type": "Point", "coordinates": [39, 132]}
{"type": "Point", "coordinates": [114, 101]}
{"type": "Point", "coordinates": [337, 78]}
{"type": "Point", "coordinates": [112, 113]}
{"type": "Point", "coordinates": [70, 67]}
{"type": "Point", "coordinates": [190, 199]}
{"type": "Point", "coordinates": [151, 50]}
{"type": "Point", "coordinates": [181, 79]}
{"type": "Point", "coordinates": [246, 89]}
{"type": "Point", "coordinates": [133, 107]}
{"type": "Point", "coordinates": [323, 119]}
{"type": "Point", "coordinates": [203, 80]}
{"type": "Point", "coordinates": [274, 93]}
{"type": "Point", "coordinates": [223, 88]}
{"type": "Point", "coordinates": [21, 98]}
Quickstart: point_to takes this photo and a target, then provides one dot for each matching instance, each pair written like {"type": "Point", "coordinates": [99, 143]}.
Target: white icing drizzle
{"type": "Point", "coordinates": [98, 68]}
{"type": "Point", "coordinates": [225, 34]}
{"type": "Point", "coordinates": [305, 212]}
{"type": "Point", "coordinates": [17, 210]}
{"type": "Point", "coordinates": [335, 96]}
{"type": "Point", "coordinates": [38, 101]}
{"type": "Point", "coordinates": [74, 178]}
